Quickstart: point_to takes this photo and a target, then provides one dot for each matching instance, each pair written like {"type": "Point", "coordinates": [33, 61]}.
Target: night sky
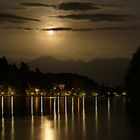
{"type": "Point", "coordinates": [82, 29]}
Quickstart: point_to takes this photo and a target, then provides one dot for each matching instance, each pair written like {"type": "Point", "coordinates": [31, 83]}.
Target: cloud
{"type": "Point", "coordinates": [66, 6]}
{"type": "Point", "coordinates": [67, 29]}
{"type": "Point", "coordinates": [4, 17]}
{"type": "Point", "coordinates": [77, 6]}
{"type": "Point", "coordinates": [95, 17]}
{"type": "Point", "coordinates": [37, 5]}
{"type": "Point", "coordinates": [24, 28]}
{"type": "Point", "coordinates": [83, 29]}
{"type": "Point", "coordinates": [18, 28]}
{"type": "Point", "coordinates": [57, 29]}
{"type": "Point", "coordinates": [71, 6]}
{"type": "Point", "coordinates": [112, 28]}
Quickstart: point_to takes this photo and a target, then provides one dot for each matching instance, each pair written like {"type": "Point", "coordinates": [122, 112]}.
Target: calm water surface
{"type": "Point", "coordinates": [66, 118]}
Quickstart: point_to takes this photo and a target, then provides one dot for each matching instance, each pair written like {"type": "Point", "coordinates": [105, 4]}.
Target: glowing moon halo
{"type": "Point", "coordinates": [50, 31]}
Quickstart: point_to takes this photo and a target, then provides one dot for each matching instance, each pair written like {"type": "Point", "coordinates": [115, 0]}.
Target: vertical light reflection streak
{"type": "Point", "coordinates": [58, 112]}
{"type": "Point", "coordinates": [50, 105]}
{"type": "Point", "coordinates": [41, 106]}
{"type": "Point", "coordinates": [58, 105]}
{"type": "Point", "coordinates": [42, 123]}
{"type": "Point", "coordinates": [12, 129]}
{"type": "Point", "coordinates": [12, 106]}
{"type": "Point", "coordinates": [54, 106]}
{"type": "Point", "coordinates": [83, 105]}
{"type": "Point", "coordinates": [72, 107]}
{"type": "Point", "coordinates": [3, 123]}
{"type": "Point", "coordinates": [32, 128]}
{"type": "Point", "coordinates": [36, 105]}
{"type": "Point", "coordinates": [78, 106]}
{"type": "Point", "coordinates": [108, 113]}
{"type": "Point", "coordinates": [66, 117]}
{"type": "Point", "coordinates": [3, 129]}
{"type": "Point", "coordinates": [78, 103]}
{"type": "Point", "coordinates": [32, 106]}
{"type": "Point", "coordinates": [2, 106]}
{"type": "Point", "coordinates": [32, 119]}
{"type": "Point", "coordinates": [84, 123]}
{"type": "Point", "coordinates": [96, 117]}
{"type": "Point", "coordinates": [65, 105]}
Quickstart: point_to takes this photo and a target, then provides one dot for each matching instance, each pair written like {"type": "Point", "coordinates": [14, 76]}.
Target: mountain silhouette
{"type": "Point", "coordinates": [111, 72]}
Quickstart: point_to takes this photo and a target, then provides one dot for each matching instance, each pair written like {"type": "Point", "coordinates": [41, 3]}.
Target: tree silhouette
{"type": "Point", "coordinates": [14, 79]}
{"type": "Point", "coordinates": [3, 70]}
{"type": "Point", "coordinates": [132, 80]}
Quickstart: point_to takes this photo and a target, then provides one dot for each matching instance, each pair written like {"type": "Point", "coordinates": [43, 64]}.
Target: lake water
{"type": "Point", "coordinates": [66, 118]}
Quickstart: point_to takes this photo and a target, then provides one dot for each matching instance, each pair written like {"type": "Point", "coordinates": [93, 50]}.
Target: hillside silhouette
{"type": "Point", "coordinates": [20, 79]}
{"type": "Point", "coordinates": [111, 72]}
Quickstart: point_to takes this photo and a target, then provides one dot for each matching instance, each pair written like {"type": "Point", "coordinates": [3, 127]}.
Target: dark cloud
{"type": "Point", "coordinates": [18, 28]}
{"type": "Point", "coordinates": [112, 28]}
{"type": "Point", "coordinates": [95, 17]}
{"type": "Point", "coordinates": [14, 18]}
{"type": "Point", "coordinates": [73, 6]}
{"type": "Point", "coordinates": [66, 29]}
{"type": "Point", "coordinates": [83, 29]}
{"type": "Point", "coordinates": [66, 6]}
{"type": "Point", "coordinates": [37, 5]}
{"type": "Point", "coordinates": [24, 28]}
{"type": "Point", "coordinates": [59, 29]}
{"type": "Point", "coordinates": [77, 6]}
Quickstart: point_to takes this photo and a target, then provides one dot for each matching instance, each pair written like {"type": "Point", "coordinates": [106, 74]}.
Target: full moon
{"type": "Point", "coordinates": [50, 31]}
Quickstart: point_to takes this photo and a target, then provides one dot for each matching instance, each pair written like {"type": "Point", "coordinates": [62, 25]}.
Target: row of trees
{"type": "Point", "coordinates": [22, 78]}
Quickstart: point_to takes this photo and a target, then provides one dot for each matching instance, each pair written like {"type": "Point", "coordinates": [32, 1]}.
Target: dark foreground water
{"type": "Point", "coordinates": [66, 118]}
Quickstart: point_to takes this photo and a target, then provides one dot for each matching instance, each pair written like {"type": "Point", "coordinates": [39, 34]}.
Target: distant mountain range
{"type": "Point", "coordinates": [111, 72]}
